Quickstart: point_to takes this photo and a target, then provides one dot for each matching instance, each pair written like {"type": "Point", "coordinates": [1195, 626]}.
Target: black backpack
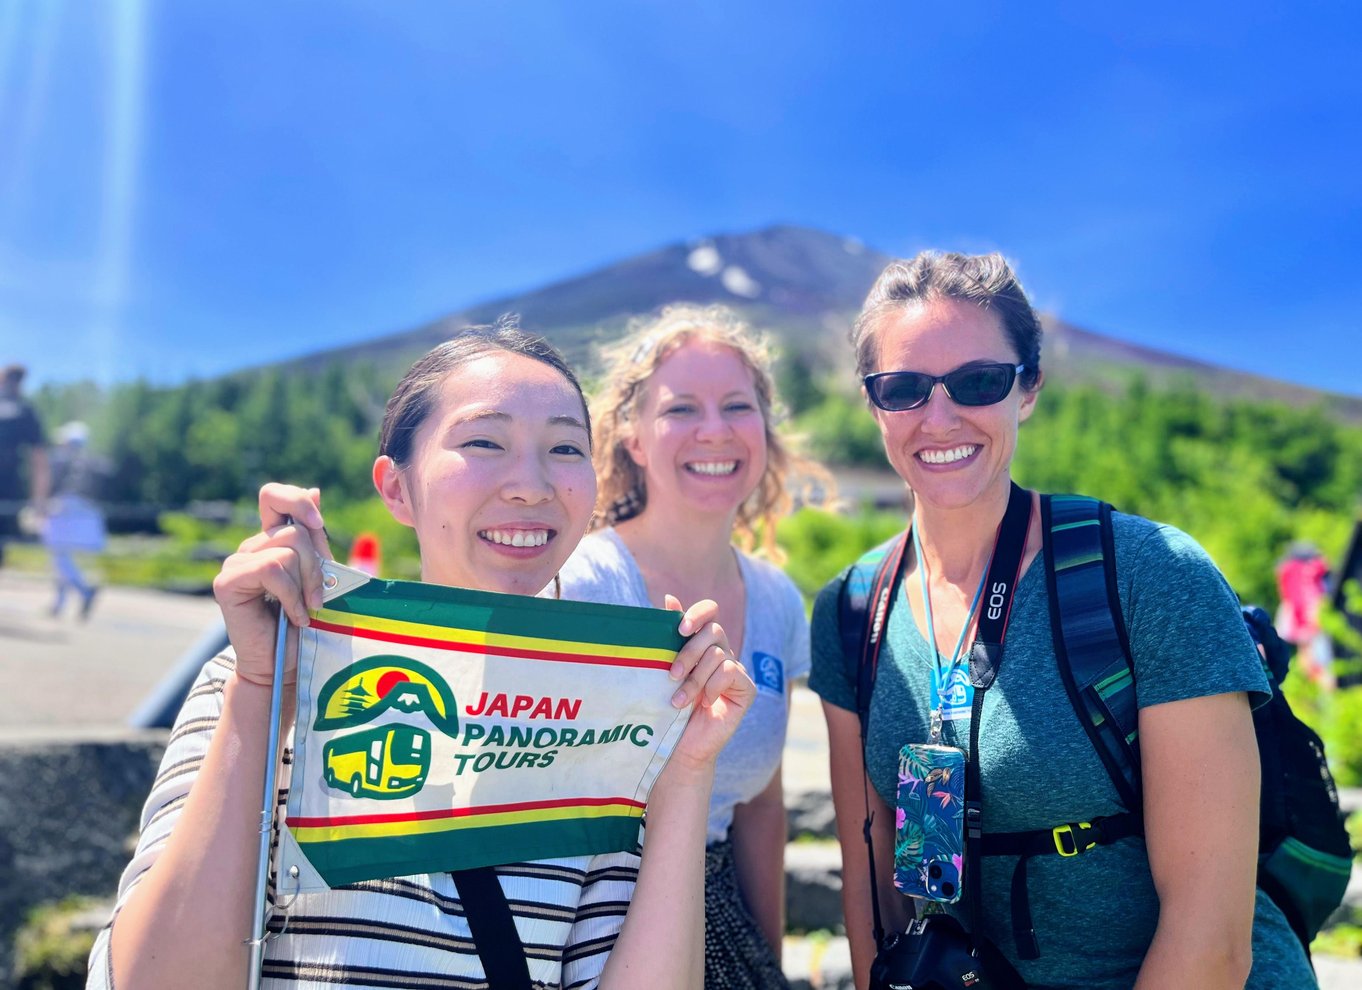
{"type": "Point", "coordinates": [1304, 857]}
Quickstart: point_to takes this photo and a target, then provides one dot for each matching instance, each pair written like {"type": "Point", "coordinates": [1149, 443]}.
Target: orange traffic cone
{"type": "Point", "coordinates": [366, 554]}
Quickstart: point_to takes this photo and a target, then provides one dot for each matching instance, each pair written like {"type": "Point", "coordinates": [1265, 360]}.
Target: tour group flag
{"type": "Point", "coordinates": [445, 729]}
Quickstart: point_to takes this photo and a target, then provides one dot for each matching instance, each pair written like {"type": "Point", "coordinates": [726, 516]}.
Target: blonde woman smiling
{"type": "Point", "coordinates": [689, 462]}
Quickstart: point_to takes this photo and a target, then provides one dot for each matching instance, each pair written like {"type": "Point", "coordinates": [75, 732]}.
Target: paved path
{"type": "Point", "coordinates": [806, 745]}
{"type": "Point", "coordinates": [62, 674]}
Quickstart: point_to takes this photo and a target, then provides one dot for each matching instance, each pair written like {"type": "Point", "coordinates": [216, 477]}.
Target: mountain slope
{"type": "Point", "coordinates": [803, 285]}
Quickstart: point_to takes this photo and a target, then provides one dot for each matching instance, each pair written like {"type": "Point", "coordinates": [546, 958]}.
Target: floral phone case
{"type": "Point", "coordinates": [929, 840]}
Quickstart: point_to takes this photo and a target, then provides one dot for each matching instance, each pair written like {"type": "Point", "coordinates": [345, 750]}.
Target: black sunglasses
{"type": "Point", "coordinates": [976, 385]}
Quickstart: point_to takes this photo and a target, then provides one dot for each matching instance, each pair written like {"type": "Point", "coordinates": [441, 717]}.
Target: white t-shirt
{"type": "Point", "coordinates": [775, 651]}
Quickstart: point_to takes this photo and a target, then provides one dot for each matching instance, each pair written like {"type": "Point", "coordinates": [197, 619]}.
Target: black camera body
{"type": "Point", "coordinates": [933, 954]}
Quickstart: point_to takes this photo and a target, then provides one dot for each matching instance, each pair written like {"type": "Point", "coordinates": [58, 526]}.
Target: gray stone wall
{"type": "Point", "coordinates": [69, 808]}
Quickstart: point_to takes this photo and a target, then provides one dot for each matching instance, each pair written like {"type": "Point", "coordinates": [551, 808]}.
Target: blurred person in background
{"type": "Point", "coordinates": [1302, 582]}
{"type": "Point", "coordinates": [689, 464]}
{"type": "Point", "coordinates": [74, 522]}
{"type": "Point", "coordinates": [366, 554]}
{"type": "Point", "coordinates": [23, 455]}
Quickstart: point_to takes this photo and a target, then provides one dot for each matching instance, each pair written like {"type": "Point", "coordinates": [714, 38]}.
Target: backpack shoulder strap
{"type": "Point", "coordinates": [862, 610]}
{"type": "Point", "coordinates": [862, 613]}
{"type": "Point", "coordinates": [1090, 636]}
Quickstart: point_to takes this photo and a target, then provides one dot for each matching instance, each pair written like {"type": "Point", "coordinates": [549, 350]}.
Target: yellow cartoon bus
{"type": "Point", "coordinates": [387, 761]}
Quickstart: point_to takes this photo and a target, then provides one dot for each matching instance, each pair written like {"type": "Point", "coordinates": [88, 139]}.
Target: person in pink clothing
{"type": "Point", "coordinates": [1302, 582]}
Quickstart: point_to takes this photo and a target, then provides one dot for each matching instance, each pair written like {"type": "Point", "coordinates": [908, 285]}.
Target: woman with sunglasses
{"type": "Point", "coordinates": [485, 452]}
{"type": "Point", "coordinates": [948, 348]}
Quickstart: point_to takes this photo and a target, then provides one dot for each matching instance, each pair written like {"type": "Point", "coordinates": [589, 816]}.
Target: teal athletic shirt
{"type": "Point", "coordinates": [1094, 914]}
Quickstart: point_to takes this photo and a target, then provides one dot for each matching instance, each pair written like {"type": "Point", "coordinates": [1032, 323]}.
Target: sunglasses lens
{"type": "Point", "coordinates": [900, 390]}
{"type": "Point", "coordinates": [980, 386]}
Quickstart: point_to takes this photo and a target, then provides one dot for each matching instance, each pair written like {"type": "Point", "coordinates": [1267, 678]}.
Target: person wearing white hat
{"type": "Point", "coordinates": [74, 521]}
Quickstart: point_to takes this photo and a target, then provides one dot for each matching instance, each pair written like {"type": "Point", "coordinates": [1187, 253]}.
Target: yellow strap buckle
{"type": "Point", "coordinates": [1069, 842]}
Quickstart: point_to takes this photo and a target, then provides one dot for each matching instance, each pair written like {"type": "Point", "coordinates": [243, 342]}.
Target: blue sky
{"type": "Point", "coordinates": [191, 188]}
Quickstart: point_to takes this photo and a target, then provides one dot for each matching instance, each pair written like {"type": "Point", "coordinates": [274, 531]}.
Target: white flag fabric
{"type": "Point", "coordinates": [445, 729]}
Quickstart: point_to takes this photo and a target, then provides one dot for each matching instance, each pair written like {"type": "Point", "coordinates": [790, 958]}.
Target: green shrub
{"type": "Point", "coordinates": [839, 431]}
{"type": "Point", "coordinates": [1337, 716]}
{"type": "Point", "coordinates": [401, 554]}
{"type": "Point", "coordinates": [1337, 626]}
{"type": "Point", "coordinates": [1339, 940]}
{"type": "Point", "coordinates": [53, 945]}
{"type": "Point", "coordinates": [821, 543]}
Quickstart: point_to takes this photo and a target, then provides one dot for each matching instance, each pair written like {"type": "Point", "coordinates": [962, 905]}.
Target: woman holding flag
{"type": "Point", "coordinates": [486, 452]}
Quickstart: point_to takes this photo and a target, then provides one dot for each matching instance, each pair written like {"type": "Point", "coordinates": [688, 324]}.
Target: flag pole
{"type": "Point", "coordinates": [268, 801]}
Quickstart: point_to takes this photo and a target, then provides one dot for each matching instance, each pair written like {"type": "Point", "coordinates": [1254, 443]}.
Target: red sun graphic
{"type": "Point", "coordinates": [389, 681]}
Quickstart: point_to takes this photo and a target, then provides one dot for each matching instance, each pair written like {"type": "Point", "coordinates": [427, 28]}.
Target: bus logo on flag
{"type": "Point", "coordinates": [388, 761]}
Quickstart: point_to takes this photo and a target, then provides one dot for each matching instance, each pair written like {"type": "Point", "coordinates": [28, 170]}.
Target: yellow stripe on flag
{"type": "Point", "coordinates": [477, 637]}
{"type": "Point", "coordinates": [380, 830]}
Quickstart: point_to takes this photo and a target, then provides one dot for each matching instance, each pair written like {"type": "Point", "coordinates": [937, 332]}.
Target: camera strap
{"type": "Point", "coordinates": [985, 659]}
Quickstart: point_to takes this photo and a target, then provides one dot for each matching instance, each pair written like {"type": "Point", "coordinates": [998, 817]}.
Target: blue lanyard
{"type": "Point", "coordinates": [945, 677]}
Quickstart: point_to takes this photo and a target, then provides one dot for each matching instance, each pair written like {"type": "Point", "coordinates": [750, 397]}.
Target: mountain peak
{"type": "Point", "coordinates": [803, 284]}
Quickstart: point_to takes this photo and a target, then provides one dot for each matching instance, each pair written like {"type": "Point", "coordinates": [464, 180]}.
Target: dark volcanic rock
{"type": "Point", "coordinates": [67, 809]}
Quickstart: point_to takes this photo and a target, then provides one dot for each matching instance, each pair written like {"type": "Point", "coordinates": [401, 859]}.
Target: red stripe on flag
{"type": "Point", "coordinates": [492, 651]}
{"type": "Point", "coordinates": [489, 809]}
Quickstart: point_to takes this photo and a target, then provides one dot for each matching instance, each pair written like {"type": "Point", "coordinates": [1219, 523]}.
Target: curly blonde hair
{"type": "Point", "coordinates": [629, 365]}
